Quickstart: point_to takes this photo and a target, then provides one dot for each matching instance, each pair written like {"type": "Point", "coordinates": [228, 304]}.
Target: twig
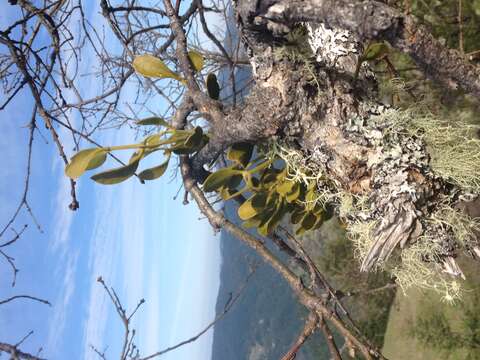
{"type": "Point", "coordinates": [219, 317]}
{"type": "Point", "coordinates": [332, 346]}
{"type": "Point", "coordinates": [309, 328]}
{"type": "Point", "coordinates": [2, 302]}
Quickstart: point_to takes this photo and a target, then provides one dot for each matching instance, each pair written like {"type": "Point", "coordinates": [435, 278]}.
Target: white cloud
{"type": "Point", "coordinates": [61, 304]}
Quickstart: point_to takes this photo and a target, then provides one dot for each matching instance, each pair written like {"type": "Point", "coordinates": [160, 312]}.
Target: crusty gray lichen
{"type": "Point", "coordinates": [370, 161]}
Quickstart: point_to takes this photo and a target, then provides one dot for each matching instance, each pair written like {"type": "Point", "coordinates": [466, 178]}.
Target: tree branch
{"type": "Point", "coordinates": [373, 20]}
{"type": "Point", "coordinates": [309, 328]}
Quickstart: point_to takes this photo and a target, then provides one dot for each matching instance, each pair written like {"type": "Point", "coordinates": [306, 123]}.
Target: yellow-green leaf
{"type": "Point", "coordinates": [155, 172]}
{"type": "Point", "coordinates": [275, 217]}
{"type": "Point", "coordinates": [219, 178]}
{"type": "Point", "coordinates": [154, 120]}
{"type": "Point", "coordinates": [375, 51]}
{"type": "Point", "coordinates": [154, 140]}
{"type": "Point", "coordinates": [285, 187]}
{"type": "Point", "coordinates": [196, 59]}
{"type": "Point", "coordinates": [213, 88]}
{"type": "Point", "coordinates": [294, 194]}
{"type": "Point", "coordinates": [117, 175]}
{"type": "Point", "coordinates": [253, 222]}
{"type": "Point", "coordinates": [151, 66]}
{"type": "Point", "coordinates": [252, 206]}
{"type": "Point", "coordinates": [194, 140]}
{"type": "Point", "coordinates": [246, 210]}
{"type": "Point", "coordinates": [240, 153]}
{"type": "Point", "coordinates": [319, 222]}
{"type": "Point", "coordinates": [85, 160]}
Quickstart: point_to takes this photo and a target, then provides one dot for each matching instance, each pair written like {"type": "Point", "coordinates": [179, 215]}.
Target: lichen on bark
{"type": "Point", "coordinates": [365, 152]}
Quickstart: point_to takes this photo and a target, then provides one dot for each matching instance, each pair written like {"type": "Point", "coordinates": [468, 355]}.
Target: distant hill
{"type": "Point", "coordinates": [266, 319]}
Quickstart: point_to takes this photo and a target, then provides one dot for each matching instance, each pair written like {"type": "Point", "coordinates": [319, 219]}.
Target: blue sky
{"type": "Point", "coordinates": [143, 243]}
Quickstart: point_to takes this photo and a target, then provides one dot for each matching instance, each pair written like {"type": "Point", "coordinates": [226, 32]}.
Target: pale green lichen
{"type": "Point", "coordinates": [418, 265]}
{"type": "Point", "coordinates": [455, 156]}
{"type": "Point", "coordinates": [451, 141]}
{"type": "Point", "coordinates": [360, 232]}
{"type": "Point", "coordinates": [414, 271]}
{"type": "Point", "coordinates": [299, 169]}
{"type": "Point", "coordinates": [361, 235]}
{"type": "Point", "coordinates": [463, 227]}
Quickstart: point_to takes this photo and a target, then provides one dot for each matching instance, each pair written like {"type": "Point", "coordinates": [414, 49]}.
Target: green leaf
{"type": "Point", "coordinates": [155, 172]}
{"type": "Point", "coordinates": [240, 153]}
{"type": "Point", "coordinates": [294, 194]}
{"type": "Point", "coordinates": [269, 176]}
{"type": "Point", "coordinates": [259, 200]}
{"type": "Point", "coordinates": [277, 215]}
{"type": "Point", "coordinates": [375, 51]}
{"type": "Point", "coordinates": [154, 120]}
{"type": "Point", "coordinates": [229, 193]}
{"type": "Point", "coordinates": [254, 222]}
{"type": "Point", "coordinates": [311, 197]}
{"type": "Point", "coordinates": [196, 59]}
{"type": "Point", "coordinates": [309, 221]}
{"type": "Point", "coordinates": [252, 206]}
{"type": "Point", "coordinates": [297, 216]}
{"type": "Point", "coordinates": [246, 210]}
{"type": "Point", "coordinates": [219, 178]}
{"type": "Point", "coordinates": [213, 88]}
{"type": "Point", "coordinates": [155, 139]}
{"type": "Point", "coordinates": [319, 222]}
{"type": "Point", "coordinates": [151, 66]}
{"type": "Point", "coordinates": [117, 175]}
{"type": "Point", "coordinates": [97, 160]}
{"type": "Point", "coordinates": [194, 140]}
{"type": "Point", "coordinates": [285, 187]}
{"type": "Point", "coordinates": [85, 160]}
{"type": "Point", "coordinates": [235, 181]}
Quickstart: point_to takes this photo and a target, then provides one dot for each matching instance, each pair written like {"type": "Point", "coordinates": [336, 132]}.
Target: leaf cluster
{"type": "Point", "coordinates": [169, 141]}
{"type": "Point", "coordinates": [271, 193]}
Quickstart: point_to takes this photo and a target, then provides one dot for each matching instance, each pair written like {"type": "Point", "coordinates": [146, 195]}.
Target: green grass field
{"type": "Point", "coordinates": [449, 331]}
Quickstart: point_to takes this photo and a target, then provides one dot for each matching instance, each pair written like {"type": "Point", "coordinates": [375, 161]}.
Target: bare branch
{"type": "Point", "coordinates": [16, 297]}
{"type": "Point", "coordinates": [310, 325]}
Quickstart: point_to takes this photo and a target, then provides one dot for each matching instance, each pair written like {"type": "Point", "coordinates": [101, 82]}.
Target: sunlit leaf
{"type": "Point", "coordinates": [154, 140]}
{"type": "Point", "coordinates": [294, 193]}
{"type": "Point", "coordinates": [375, 51]}
{"type": "Point", "coordinates": [275, 218]}
{"type": "Point", "coordinates": [97, 160]}
{"type": "Point", "coordinates": [285, 187]}
{"type": "Point", "coordinates": [117, 175]}
{"type": "Point", "coordinates": [154, 120]}
{"type": "Point", "coordinates": [219, 178]}
{"type": "Point", "coordinates": [240, 153]}
{"type": "Point", "coordinates": [196, 59]}
{"type": "Point", "coordinates": [151, 66]}
{"type": "Point", "coordinates": [254, 222]}
{"type": "Point", "coordinates": [155, 172]}
{"type": "Point", "coordinates": [213, 87]}
{"type": "Point", "coordinates": [246, 210]}
{"type": "Point", "coordinates": [85, 160]}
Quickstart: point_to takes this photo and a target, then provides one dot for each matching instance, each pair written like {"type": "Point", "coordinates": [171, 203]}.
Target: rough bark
{"type": "Point", "coordinates": [333, 118]}
{"type": "Point", "coordinates": [371, 20]}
